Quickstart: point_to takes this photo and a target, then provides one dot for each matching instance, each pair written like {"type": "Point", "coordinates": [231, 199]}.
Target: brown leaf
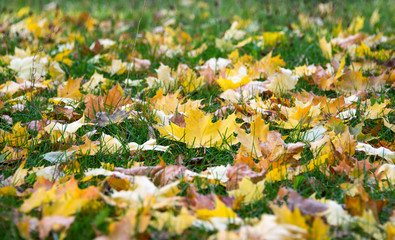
{"type": "Point", "coordinates": [307, 206]}
{"type": "Point", "coordinates": [178, 119]}
{"type": "Point", "coordinates": [350, 40]}
{"type": "Point", "coordinates": [168, 174]}
{"type": "Point", "coordinates": [240, 170]}
{"type": "Point", "coordinates": [110, 102]}
{"type": "Point", "coordinates": [208, 75]}
{"type": "Point", "coordinates": [253, 88]}
{"type": "Point", "coordinates": [357, 204]}
{"type": "Point", "coordinates": [37, 125]}
{"type": "Point", "coordinates": [161, 175]}
{"type": "Point", "coordinates": [64, 113]}
{"type": "Point", "coordinates": [321, 78]}
{"type": "Point", "coordinates": [6, 118]}
{"type": "Point", "coordinates": [104, 119]}
{"type": "Point", "coordinates": [276, 152]}
{"type": "Point", "coordinates": [199, 201]}
{"type": "Point", "coordinates": [364, 165]}
{"type": "Point", "coordinates": [97, 48]}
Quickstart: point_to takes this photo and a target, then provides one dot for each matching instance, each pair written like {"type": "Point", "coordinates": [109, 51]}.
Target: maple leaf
{"type": "Point", "coordinates": [161, 174]}
{"type": "Point", "coordinates": [59, 156]}
{"type": "Point", "coordinates": [29, 68]}
{"type": "Point", "coordinates": [377, 110]}
{"type": "Point", "coordinates": [272, 38]}
{"type": "Point", "coordinates": [189, 79]}
{"type": "Point", "coordinates": [64, 132]}
{"type": "Point", "coordinates": [174, 224]}
{"type": "Point", "coordinates": [96, 80]}
{"type": "Point", "coordinates": [220, 216]}
{"type": "Point", "coordinates": [208, 74]}
{"type": "Point", "coordinates": [351, 82]}
{"type": "Point", "coordinates": [276, 152]}
{"type": "Point", "coordinates": [281, 82]}
{"type": "Point", "coordinates": [287, 216]}
{"type": "Point", "coordinates": [123, 228]}
{"type": "Point", "coordinates": [104, 119]}
{"type": "Point", "coordinates": [238, 172]}
{"type": "Point", "coordinates": [306, 206]}
{"type": "Point", "coordinates": [250, 142]}
{"type": "Point", "coordinates": [105, 43]}
{"type": "Point", "coordinates": [164, 78]}
{"type": "Point", "coordinates": [19, 176]}
{"type": "Point", "coordinates": [326, 79]}
{"type": "Point", "coordinates": [199, 201]}
{"type": "Point", "coordinates": [199, 131]}
{"type": "Point", "coordinates": [216, 65]}
{"type": "Point", "coordinates": [234, 78]}
{"type": "Point", "coordinates": [249, 191]}
{"type": "Point", "coordinates": [270, 227]}
{"type": "Point", "coordinates": [9, 88]}
{"type": "Point", "coordinates": [326, 48]}
{"type": "Point", "coordinates": [381, 152]}
{"type": "Point", "coordinates": [110, 102]}
{"type": "Point", "coordinates": [117, 67]}
{"type": "Point", "coordinates": [56, 72]}
{"type": "Point", "coordinates": [170, 104]}
{"type": "Point", "coordinates": [18, 137]}
{"type": "Point", "coordinates": [71, 89]}
{"type": "Point", "coordinates": [268, 65]}
{"type": "Point", "coordinates": [386, 175]}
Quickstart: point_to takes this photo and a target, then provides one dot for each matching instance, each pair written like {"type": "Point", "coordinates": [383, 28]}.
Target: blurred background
{"type": "Point", "coordinates": [269, 13]}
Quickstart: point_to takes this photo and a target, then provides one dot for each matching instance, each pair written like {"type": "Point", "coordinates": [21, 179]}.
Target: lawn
{"type": "Point", "coordinates": [197, 119]}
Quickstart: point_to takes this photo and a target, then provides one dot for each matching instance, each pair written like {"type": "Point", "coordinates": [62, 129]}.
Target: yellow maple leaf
{"type": "Point", "coordinates": [171, 104]}
{"type": "Point", "coordinates": [63, 57]}
{"type": "Point", "coordinates": [369, 224]}
{"type": "Point", "coordinates": [249, 191]}
{"type": "Point", "coordinates": [64, 132]}
{"type": "Point", "coordinates": [19, 175]}
{"type": "Point", "coordinates": [356, 25]}
{"type": "Point", "coordinates": [351, 82]}
{"type": "Point", "coordinates": [200, 131]}
{"type": "Point", "coordinates": [268, 65]}
{"type": "Point", "coordinates": [164, 79]}
{"type": "Point", "coordinates": [9, 88]}
{"type": "Point", "coordinates": [56, 72]}
{"type": "Point", "coordinates": [272, 38]}
{"type": "Point", "coordinates": [174, 224]}
{"type": "Point", "coordinates": [234, 78]}
{"type": "Point", "coordinates": [300, 115]}
{"type": "Point", "coordinates": [363, 50]}
{"type": "Point", "coordinates": [319, 230]}
{"type": "Point", "coordinates": [116, 67]}
{"type": "Point", "coordinates": [71, 89]}
{"type": "Point", "coordinates": [250, 142]}
{"type": "Point", "coordinates": [69, 199]}
{"type": "Point", "coordinates": [220, 210]}
{"type": "Point", "coordinates": [378, 110]}
{"type": "Point", "coordinates": [94, 81]}
{"type": "Point", "coordinates": [286, 216]}
{"type": "Point", "coordinates": [326, 48]}
{"type": "Point", "coordinates": [281, 82]}
{"type": "Point", "coordinates": [18, 137]}
{"type": "Point", "coordinates": [190, 81]}
{"type": "Point", "coordinates": [88, 147]}
{"type": "Point", "coordinates": [40, 196]}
